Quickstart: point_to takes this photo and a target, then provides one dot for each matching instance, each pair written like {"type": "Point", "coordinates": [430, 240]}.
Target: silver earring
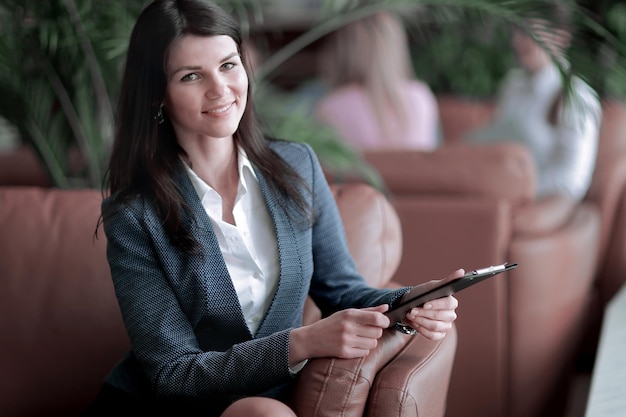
{"type": "Point", "coordinates": [159, 116]}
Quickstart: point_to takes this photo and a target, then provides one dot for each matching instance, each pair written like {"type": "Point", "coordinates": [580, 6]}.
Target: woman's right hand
{"type": "Point", "coordinates": [349, 333]}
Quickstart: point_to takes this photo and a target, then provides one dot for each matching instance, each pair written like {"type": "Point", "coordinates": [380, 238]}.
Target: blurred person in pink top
{"type": "Point", "coordinates": [374, 101]}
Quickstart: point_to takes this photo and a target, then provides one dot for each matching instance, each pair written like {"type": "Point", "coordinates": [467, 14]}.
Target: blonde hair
{"type": "Point", "coordinates": [373, 53]}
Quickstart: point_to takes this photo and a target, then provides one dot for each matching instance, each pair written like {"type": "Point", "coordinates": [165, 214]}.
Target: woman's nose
{"type": "Point", "coordinates": [217, 87]}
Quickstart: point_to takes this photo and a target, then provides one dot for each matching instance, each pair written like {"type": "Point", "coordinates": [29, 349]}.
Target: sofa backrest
{"type": "Point", "coordinates": [499, 171]}
{"type": "Point", "coordinates": [61, 326]}
{"type": "Point", "coordinates": [22, 167]}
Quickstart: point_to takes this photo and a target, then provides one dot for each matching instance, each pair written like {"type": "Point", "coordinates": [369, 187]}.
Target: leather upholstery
{"type": "Point", "coordinates": [517, 332]}
{"type": "Point", "coordinates": [468, 206]}
{"type": "Point", "coordinates": [416, 373]}
{"type": "Point", "coordinates": [472, 173]}
{"type": "Point", "coordinates": [326, 380]}
{"type": "Point", "coordinates": [608, 192]}
{"type": "Point", "coordinates": [63, 331]}
{"type": "Point", "coordinates": [61, 326]}
{"type": "Point", "coordinates": [413, 383]}
{"type": "Point", "coordinates": [373, 231]}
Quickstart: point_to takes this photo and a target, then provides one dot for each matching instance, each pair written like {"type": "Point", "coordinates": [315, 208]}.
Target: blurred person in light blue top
{"type": "Point", "coordinates": [560, 130]}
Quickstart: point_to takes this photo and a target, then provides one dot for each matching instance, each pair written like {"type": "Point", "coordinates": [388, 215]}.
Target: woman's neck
{"type": "Point", "coordinates": [215, 162]}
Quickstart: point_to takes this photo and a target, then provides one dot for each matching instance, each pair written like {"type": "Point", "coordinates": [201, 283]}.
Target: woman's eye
{"type": "Point", "coordinates": [228, 65]}
{"type": "Point", "coordinates": [190, 77]}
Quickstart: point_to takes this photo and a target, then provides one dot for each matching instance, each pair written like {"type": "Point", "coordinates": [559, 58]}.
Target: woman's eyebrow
{"type": "Point", "coordinates": [230, 56]}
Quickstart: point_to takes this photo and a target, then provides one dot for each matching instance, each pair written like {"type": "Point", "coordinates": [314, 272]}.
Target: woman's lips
{"type": "Point", "coordinates": [220, 110]}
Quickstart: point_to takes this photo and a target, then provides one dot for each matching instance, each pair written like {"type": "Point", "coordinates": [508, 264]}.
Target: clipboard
{"type": "Point", "coordinates": [421, 294]}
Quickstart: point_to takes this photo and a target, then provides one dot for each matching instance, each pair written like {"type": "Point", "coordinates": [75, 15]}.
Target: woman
{"type": "Point", "coordinates": [375, 102]}
{"type": "Point", "coordinates": [561, 131]}
{"type": "Point", "coordinates": [216, 235]}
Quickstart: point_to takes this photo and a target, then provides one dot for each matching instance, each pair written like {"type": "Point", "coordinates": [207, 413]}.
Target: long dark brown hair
{"type": "Point", "coordinates": [145, 152]}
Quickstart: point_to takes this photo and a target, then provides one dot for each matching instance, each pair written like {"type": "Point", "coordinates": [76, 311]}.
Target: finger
{"type": "Point", "coordinates": [369, 332]}
{"type": "Point", "coordinates": [378, 319]}
{"type": "Point", "coordinates": [431, 315]}
{"type": "Point", "coordinates": [372, 316]}
{"type": "Point", "coordinates": [365, 343]}
{"type": "Point", "coordinates": [429, 334]}
{"type": "Point", "coordinates": [352, 352]}
{"type": "Point", "coordinates": [356, 346]}
{"type": "Point", "coordinates": [444, 303]}
{"type": "Point", "coordinates": [442, 309]}
{"type": "Point", "coordinates": [457, 274]}
{"type": "Point", "coordinates": [380, 308]}
{"type": "Point", "coordinates": [435, 326]}
{"type": "Point", "coordinates": [430, 326]}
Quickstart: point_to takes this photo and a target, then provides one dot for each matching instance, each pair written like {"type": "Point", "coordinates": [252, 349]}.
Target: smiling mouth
{"type": "Point", "coordinates": [220, 109]}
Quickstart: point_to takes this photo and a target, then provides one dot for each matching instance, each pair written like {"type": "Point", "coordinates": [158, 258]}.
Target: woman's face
{"type": "Point", "coordinates": [530, 55]}
{"type": "Point", "coordinates": [533, 56]}
{"type": "Point", "coordinates": [207, 87]}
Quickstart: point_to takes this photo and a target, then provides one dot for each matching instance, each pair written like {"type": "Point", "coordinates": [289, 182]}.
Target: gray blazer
{"type": "Point", "coordinates": [187, 330]}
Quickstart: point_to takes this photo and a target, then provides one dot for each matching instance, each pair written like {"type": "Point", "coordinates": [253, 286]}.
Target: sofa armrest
{"type": "Point", "coordinates": [372, 229]}
{"type": "Point", "coordinates": [606, 191]}
{"type": "Point", "coordinates": [544, 216]}
{"type": "Point", "coordinates": [613, 274]}
{"type": "Point", "coordinates": [330, 387]}
{"type": "Point", "coordinates": [415, 383]}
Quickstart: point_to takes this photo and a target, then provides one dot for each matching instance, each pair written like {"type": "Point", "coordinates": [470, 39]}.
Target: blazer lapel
{"type": "Point", "coordinates": [291, 287]}
{"type": "Point", "coordinates": [290, 283]}
{"type": "Point", "coordinates": [224, 301]}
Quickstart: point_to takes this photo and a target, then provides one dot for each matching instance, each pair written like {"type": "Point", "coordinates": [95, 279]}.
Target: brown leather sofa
{"type": "Point", "coordinates": [468, 206]}
{"type": "Point", "coordinates": [471, 207]}
{"type": "Point", "coordinates": [608, 191]}
{"type": "Point", "coordinates": [608, 187]}
{"type": "Point", "coordinates": [62, 331]}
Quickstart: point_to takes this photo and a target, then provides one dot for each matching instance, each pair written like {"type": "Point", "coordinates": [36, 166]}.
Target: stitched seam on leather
{"type": "Point", "coordinates": [402, 405]}
{"type": "Point", "coordinates": [354, 379]}
{"type": "Point", "coordinates": [404, 389]}
{"type": "Point", "coordinates": [429, 357]}
{"type": "Point", "coordinates": [318, 403]}
{"type": "Point", "coordinates": [403, 401]}
{"type": "Point", "coordinates": [427, 360]}
{"type": "Point", "coordinates": [372, 398]}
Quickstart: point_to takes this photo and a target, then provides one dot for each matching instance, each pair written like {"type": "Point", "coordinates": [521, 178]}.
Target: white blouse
{"type": "Point", "coordinates": [249, 247]}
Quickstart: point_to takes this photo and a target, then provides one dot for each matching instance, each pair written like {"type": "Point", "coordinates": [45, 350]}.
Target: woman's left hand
{"type": "Point", "coordinates": [435, 318]}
